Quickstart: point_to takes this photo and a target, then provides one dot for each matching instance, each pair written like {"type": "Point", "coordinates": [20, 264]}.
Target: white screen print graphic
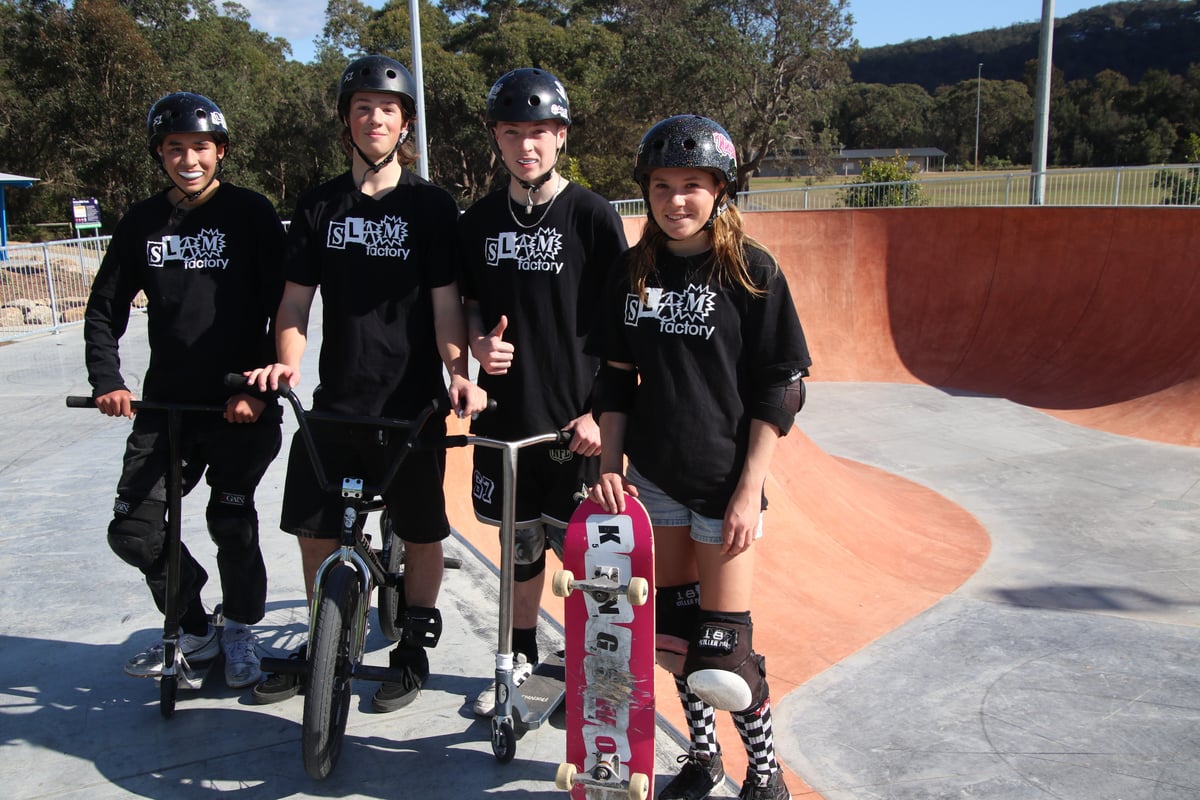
{"type": "Point", "coordinates": [204, 251]}
{"type": "Point", "coordinates": [536, 251]}
{"type": "Point", "coordinates": [379, 238]}
{"type": "Point", "coordinates": [680, 313]}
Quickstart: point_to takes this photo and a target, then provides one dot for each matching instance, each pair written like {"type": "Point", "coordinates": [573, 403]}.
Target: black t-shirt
{"type": "Point", "coordinates": [546, 274]}
{"type": "Point", "coordinates": [376, 262]}
{"type": "Point", "coordinates": [213, 278]}
{"type": "Point", "coordinates": [704, 352]}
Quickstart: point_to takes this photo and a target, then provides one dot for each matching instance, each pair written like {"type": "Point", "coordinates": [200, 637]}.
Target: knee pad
{"type": "Point", "coordinates": [722, 668]}
{"type": "Point", "coordinates": [529, 553]}
{"type": "Point", "coordinates": [675, 613]}
{"type": "Point", "coordinates": [422, 626]}
{"type": "Point", "coordinates": [232, 520]}
{"type": "Point", "coordinates": [138, 531]}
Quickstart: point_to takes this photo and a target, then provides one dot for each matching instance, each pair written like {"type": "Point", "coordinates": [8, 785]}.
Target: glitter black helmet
{"type": "Point", "coordinates": [689, 140]}
{"type": "Point", "coordinates": [184, 112]}
{"type": "Point", "coordinates": [528, 95]}
{"type": "Point", "coordinates": [376, 74]}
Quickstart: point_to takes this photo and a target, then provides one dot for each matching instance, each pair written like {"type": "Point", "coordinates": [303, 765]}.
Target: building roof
{"type": "Point", "coordinates": [888, 152]}
{"type": "Point", "coordinates": [16, 180]}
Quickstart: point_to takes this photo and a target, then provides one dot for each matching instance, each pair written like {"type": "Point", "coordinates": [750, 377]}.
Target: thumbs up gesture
{"type": "Point", "coordinates": [494, 355]}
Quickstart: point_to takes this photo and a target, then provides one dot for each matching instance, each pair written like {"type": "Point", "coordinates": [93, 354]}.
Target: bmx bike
{"type": "Point", "coordinates": [343, 584]}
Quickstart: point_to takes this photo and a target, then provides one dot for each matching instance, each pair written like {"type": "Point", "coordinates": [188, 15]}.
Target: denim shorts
{"type": "Point", "coordinates": [667, 512]}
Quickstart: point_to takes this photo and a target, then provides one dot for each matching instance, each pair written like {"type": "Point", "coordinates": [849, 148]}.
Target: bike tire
{"type": "Point", "coordinates": [389, 603]}
{"type": "Point", "coordinates": [331, 660]}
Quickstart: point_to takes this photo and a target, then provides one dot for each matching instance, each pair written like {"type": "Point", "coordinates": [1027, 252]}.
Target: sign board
{"type": "Point", "coordinates": [85, 212]}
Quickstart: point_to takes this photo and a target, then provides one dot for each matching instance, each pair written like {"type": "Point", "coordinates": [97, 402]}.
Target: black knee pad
{"type": "Point", "coordinates": [529, 553]}
{"type": "Point", "coordinates": [422, 626]}
{"type": "Point", "coordinates": [675, 613]}
{"type": "Point", "coordinates": [232, 520]}
{"type": "Point", "coordinates": [138, 531]}
{"type": "Point", "coordinates": [722, 668]}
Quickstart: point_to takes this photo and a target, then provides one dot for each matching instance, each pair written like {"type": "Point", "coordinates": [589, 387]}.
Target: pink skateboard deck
{"type": "Point", "coordinates": [608, 582]}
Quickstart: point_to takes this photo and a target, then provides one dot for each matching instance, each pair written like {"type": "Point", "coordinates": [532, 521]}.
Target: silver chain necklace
{"type": "Point", "coordinates": [558, 187]}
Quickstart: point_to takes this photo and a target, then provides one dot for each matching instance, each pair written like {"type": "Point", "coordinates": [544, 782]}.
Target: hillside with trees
{"type": "Point", "coordinates": [1125, 90]}
{"type": "Point", "coordinates": [1129, 38]}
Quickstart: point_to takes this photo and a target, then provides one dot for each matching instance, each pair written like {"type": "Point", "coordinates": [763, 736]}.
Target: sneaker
{"type": "Point", "coordinates": [278, 686]}
{"type": "Point", "coordinates": [773, 789]}
{"type": "Point", "coordinates": [699, 775]}
{"type": "Point", "coordinates": [241, 657]}
{"type": "Point", "coordinates": [485, 703]}
{"type": "Point", "coordinates": [196, 649]}
{"type": "Point", "coordinates": [395, 695]}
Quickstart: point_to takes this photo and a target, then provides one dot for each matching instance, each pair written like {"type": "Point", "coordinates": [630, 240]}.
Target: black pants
{"type": "Point", "coordinates": [232, 457]}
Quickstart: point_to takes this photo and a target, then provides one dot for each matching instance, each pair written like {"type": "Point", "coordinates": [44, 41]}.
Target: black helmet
{"type": "Point", "coordinates": [376, 74]}
{"type": "Point", "coordinates": [688, 140]}
{"type": "Point", "coordinates": [528, 95]}
{"type": "Point", "coordinates": [184, 112]}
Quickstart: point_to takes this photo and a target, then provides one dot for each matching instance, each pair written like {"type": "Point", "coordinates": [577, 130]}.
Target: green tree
{"type": "Point", "coordinates": [885, 182]}
{"type": "Point", "coordinates": [872, 115]}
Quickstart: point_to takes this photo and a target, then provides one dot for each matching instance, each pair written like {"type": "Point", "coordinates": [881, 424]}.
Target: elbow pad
{"type": "Point", "coordinates": [779, 403]}
{"type": "Point", "coordinates": [614, 390]}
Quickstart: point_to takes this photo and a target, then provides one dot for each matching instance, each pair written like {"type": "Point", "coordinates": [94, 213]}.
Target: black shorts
{"type": "Point", "coordinates": [414, 498]}
{"type": "Point", "coordinates": [548, 478]}
{"type": "Point", "coordinates": [231, 456]}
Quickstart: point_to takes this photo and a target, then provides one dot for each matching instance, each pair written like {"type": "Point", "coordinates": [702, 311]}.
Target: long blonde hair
{"type": "Point", "coordinates": [727, 262]}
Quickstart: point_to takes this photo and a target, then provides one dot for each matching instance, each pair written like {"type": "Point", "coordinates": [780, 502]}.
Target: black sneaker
{"type": "Point", "coordinates": [279, 686]}
{"type": "Point", "coordinates": [699, 775]}
{"type": "Point", "coordinates": [773, 789]}
{"type": "Point", "coordinates": [395, 695]}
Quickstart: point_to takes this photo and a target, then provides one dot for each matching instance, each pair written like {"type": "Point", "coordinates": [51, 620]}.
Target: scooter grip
{"type": "Point", "coordinates": [79, 401]}
{"type": "Point", "coordinates": [234, 380]}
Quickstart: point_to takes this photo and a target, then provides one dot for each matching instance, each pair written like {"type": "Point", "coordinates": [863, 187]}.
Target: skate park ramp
{"type": "Point", "coordinates": [1090, 314]}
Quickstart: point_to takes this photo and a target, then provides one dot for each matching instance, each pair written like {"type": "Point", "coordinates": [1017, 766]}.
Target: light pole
{"type": "Point", "coordinates": [978, 96]}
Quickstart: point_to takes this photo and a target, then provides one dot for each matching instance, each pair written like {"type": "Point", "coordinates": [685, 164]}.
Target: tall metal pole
{"type": "Point", "coordinates": [978, 96]}
{"type": "Point", "coordinates": [414, 15]}
{"type": "Point", "coordinates": [1041, 117]}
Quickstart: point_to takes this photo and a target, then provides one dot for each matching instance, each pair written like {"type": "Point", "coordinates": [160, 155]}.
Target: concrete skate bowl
{"type": "Point", "coordinates": [1090, 314]}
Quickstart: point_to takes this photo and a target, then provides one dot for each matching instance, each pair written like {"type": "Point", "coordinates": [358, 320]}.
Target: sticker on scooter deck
{"type": "Point", "coordinates": [607, 578]}
{"type": "Point", "coordinates": [543, 690]}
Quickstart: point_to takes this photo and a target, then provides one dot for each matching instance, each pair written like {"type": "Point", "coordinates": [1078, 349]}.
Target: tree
{"type": "Point", "coordinates": [873, 115]}
{"type": "Point", "coordinates": [885, 182]}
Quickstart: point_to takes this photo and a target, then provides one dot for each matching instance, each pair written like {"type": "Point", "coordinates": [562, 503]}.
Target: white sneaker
{"type": "Point", "coordinates": [485, 703]}
{"type": "Point", "coordinates": [241, 657]}
{"type": "Point", "coordinates": [196, 649]}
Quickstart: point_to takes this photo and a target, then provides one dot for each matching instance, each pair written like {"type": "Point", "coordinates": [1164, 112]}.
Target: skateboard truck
{"type": "Point", "coordinates": [605, 776]}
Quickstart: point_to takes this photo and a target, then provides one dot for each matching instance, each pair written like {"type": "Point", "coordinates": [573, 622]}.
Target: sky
{"type": "Point", "coordinates": [876, 22]}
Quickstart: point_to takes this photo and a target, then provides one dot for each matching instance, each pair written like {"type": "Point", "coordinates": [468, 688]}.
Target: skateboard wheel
{"type": "Point", "coordinates": [563, 583]}
{"type": "Point", "coordinates": [639, 786]}
{"type": "Point", "coordinates": [638, 591]}
{"type": "Point", "coordinates": [565, 777]}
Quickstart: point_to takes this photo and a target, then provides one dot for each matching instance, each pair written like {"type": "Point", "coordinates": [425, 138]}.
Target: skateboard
{"type": "Point", "coordinates": [607, 575]}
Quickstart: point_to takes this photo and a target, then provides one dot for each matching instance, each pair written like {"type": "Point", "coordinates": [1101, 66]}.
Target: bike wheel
{"type": "Point", "coordinates": [331, 660]}
{"type": "Point", "coordinates": [392, 556]}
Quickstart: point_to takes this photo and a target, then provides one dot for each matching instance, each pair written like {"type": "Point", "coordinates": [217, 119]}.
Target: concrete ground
{"type": "Point", "coordinates": [73, 725]}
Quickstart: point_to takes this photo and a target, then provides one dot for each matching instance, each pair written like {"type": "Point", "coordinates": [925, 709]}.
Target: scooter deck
{"type": "Point", "coordinates": [543, 690]}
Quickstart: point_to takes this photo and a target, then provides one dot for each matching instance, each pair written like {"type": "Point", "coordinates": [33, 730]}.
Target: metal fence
{"type": "Point", "coordinates": [45, 286]}
{"type": "Point", "coordinates": [1170, 184]}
